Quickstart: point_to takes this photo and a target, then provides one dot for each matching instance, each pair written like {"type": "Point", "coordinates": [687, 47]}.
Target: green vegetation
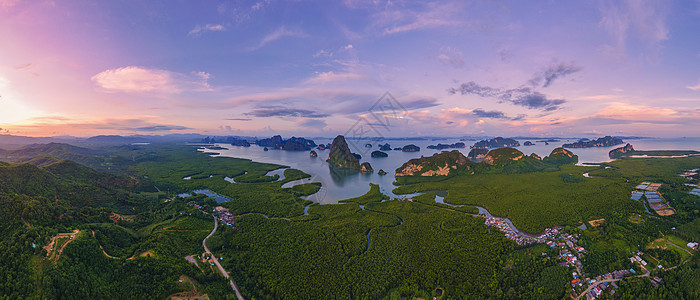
{"type": "Point", "coordinates": [306, 188]}
{"type": "Point", "coordinates": [680, 283]}
{"type": "Point", "coordinates": [662, 153]}
{"type": "Point", "coordinates": [407, 248]}
{"type": "Point", "coordinates": [690, 231]}
{"type": "Point", "coordinates": [527, 274]}
{"type": "Point", "coordinates": [502, 156]}
{"type": "Point", "coordinates": [443, 163]}
{"type": "Point", "coordinates": [389, 249]}
{"type": "Point", "coordinates": [497, 161]}
{"type": "Point", "coordinates": [665, 256]}
{"type": "Point", "coordinates": [606, 141]}
{"type": "Point", "coordinates": [427, 198]}
{"type": "Point", "coordinates": [341, 156]}
{"type": "Point", "coordinates": [537, 197]}
{"type": "Point", "coordinates": [536, 200]}
{"type": "Point", "coordinates": [373, 195]}
{"type": "Point", "coordinates": [636, 170]}
{"type": "Point", "coordinates": [561, 156]}
{"type": "Point", "coordinates": [253, 193]}
{"type": "Point", "coordinates": [294, 174]}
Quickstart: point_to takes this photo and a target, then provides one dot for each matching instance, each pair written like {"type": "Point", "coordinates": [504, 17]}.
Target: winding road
{"type": "Point", "coordinates": [216, 261]}
{"type": "Point", "coordinates": [679, 247]}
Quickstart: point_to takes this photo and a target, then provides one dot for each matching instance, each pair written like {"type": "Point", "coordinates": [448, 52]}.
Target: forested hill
{"type": "Point", "coordinates": [44, 154]}
{"type": "Point", "coordinates": [104, 259]}
{"type": "Point", "coordinates": [65, 181]}
{"type": "Point", "coordinates": [500, 160]}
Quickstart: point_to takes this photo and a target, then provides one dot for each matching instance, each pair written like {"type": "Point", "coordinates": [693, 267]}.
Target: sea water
{"type": "Point", "coordinates": [343, 184]}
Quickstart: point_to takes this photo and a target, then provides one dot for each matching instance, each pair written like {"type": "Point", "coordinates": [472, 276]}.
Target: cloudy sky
{"type": "Point", "coordinates": [317, 68]}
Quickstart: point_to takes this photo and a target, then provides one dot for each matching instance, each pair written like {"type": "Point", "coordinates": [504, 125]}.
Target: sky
{"type": "Point", "coordinates": [322, 68]}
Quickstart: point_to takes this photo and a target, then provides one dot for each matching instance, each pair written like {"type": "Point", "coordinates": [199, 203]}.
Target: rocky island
{"type": "Point", "coordinates": [561, 156]}
{"type": "Point", "coordinates": [447, 146]}
{"type": "Point", "coordinates": [501, 160]}
{"type": "Point", "coordinates": [340, 155]}
{"type": "Point", "coordinates": [365, 167]}
{"type": "Point", "coordinates": [528, 143]}
{"type": "Point", "coordinates": [292, 144]}
{"type": "Point", "coordinates": [439, 164]}
{"type": "Point", "coordinates": [606, 141]}
{"type": "Point", "coordinates": [618, 152]}
{"type": "Point", "coordinates": [313, 153]}
{"type": "Point", "coordinates": [240, 143]}
{"type": "Point", "coordinates": [501, 156]}
{"type": "Point", "coordinates": [379, 154]}
{"type": "Point", "coordinates": [385, 147]}
{"type": "Point", "coordinates": [410, 148]}
{"type": "Point", "coordinates": [497, 142]}
{"type": "Point", "coordinates": [477, 154]}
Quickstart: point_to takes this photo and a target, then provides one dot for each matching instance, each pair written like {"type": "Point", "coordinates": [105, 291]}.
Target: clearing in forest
{"type": "Point", "coordinates": [188, 284]}
{"type": "Point", "coordinates": [596, 223]}
{"type": "Point", "coordinates": [58, 242]}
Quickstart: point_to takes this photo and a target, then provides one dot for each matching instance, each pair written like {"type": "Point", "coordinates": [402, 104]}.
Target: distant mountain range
{"type": "Point", "coordinates": [16, 141]}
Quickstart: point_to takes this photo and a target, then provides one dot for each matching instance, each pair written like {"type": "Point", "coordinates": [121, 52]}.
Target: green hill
{"type": "Point", "coordinates": [64, 180]}
{"type": "Point", "coordinates": [561, 156]}
{"type": "Point", "coordinates": [39, 154]}
{"type": "Point", "coordinates": [42, 160]}
{"type": "Point", "coordinates": [443, 163]}
{"type": "Point", "coordinates": [500, 160]}
{"type": "Point", "coordinates": [502, 156]}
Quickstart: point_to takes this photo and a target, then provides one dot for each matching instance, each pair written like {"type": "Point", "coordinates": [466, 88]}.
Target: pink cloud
{"type": "Point", "coordinates": [695, 87]}
{"type": "Point", "coordinates": [330, 76]}
{"type": "Point", "coordinates": [135, 79]}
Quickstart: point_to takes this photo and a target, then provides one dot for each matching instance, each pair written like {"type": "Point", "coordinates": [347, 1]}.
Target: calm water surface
{"type": "Point", "coordinates": [338, 184]}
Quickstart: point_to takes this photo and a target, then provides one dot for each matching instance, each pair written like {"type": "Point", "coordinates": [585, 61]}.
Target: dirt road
{"type": "Point", "coordinates": [216, 261]}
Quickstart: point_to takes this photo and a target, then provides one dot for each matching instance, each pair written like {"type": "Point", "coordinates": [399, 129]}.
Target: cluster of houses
{"type": "Point", "coordinates": [692, 245]}
{"type": "Point", "coordinates": [520, 238]}
{"type": "Point", "coordinates": [571, 253]}
{"type": "Point", "coordinates": [595, 292]}
{"type": "Point", "coordinates": [692, 175]}
{"type": "Point", "coordinates": [195, 205]}
{"type": "Point", "coordinates": [655, 281]}
{"type": "Point", "coordinates": [225, 216]}
{"type": "Point", "coordinates": [608, 283]}
{"type": "Point", "coordinates": [636, 258]}
{"type": "Point", "coordinates": [608, 279]}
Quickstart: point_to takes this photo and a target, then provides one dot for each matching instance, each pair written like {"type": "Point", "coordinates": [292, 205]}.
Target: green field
{"type": "Point", "coordinates": [537, 200]}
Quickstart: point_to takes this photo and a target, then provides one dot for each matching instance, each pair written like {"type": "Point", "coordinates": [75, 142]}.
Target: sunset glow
{"type": "Point", "coordinates": [546, 68]}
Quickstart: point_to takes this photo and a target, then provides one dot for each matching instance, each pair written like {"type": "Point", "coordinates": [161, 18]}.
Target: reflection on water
{"type": "Point", "coordinates": [339, 175]}
{"type": "Point", "coordinates": [341, 183]}
{"type": "Point", "coordinates": [217, 197]}
{"type": "Point", "coordinates": [279, 172]}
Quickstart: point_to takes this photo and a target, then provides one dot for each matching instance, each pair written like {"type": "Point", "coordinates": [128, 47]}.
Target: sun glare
{"type": "Point", "coordinates": [12, 110]}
